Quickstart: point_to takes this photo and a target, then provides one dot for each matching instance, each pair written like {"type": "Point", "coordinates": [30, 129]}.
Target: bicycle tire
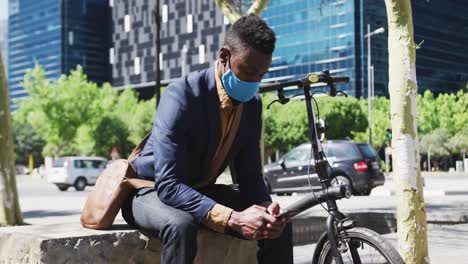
{"type": "Point", "coordinates": [360, 236]}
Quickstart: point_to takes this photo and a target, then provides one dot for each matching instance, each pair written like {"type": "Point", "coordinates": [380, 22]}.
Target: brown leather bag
{"type": "Point", "coordinates": [112, 187]}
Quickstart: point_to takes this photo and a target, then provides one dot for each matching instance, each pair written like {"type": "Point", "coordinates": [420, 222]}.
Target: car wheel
{"type": "Point", "coordinates": [80, 184]}
{"type": "Point", "coordinates": [62, 187]}
{"type": "Point", "coordinates": [340, 180]}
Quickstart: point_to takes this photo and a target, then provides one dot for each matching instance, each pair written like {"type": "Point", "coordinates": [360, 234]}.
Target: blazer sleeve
{"type": "Point", "coordinates": [170, 138]}
{"type": "Point", "coordinates": [248, 164]}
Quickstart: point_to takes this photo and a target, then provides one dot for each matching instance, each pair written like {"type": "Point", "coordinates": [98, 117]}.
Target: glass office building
{"type": "Point", "coordinates": [4, 42]}
{"type": "Point", "coordinates": [59, 35]}
{"type": "Point", "coordinates": [441, 27]}
{"type": "Point", "coordinates": [314, 35]}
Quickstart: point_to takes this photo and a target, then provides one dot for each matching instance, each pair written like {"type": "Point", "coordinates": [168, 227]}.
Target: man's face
{"type": "Point", "coordinates": [247, 64]}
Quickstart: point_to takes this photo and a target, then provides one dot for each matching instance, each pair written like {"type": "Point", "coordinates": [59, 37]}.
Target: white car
{"type": "Point", "coordinates": [76, 171]}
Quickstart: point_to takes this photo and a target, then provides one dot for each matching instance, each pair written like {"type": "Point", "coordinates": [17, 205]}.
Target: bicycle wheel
{"type": "Point", "coordinates": [361, 245]}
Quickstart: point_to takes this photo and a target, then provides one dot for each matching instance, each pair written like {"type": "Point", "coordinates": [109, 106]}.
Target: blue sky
{"type": "Point", "coordinates": [3, 9]}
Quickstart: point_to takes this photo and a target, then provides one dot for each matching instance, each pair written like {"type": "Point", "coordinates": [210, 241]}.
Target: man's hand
{"type": "Point", "coordinates": [276, 228]}
{"type": "Point", "coordinates": [252, 222]}
{"type": "Point", "coordinates": [258, 222]}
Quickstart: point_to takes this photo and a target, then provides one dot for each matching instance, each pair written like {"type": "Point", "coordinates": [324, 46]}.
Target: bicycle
{"type": "Point", "coordinates": [342, 242]}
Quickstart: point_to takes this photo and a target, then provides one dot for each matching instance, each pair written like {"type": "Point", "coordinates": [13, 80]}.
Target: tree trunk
{"type": "Point", "coordinates": [411, 212]}
{"type": "Point", "coordinates": [232, 15]}
{"type": "Point", "coordinates": [10, 212]}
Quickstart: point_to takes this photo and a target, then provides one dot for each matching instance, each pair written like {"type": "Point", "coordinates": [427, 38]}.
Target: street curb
{"type": "Point", "coordinates": [426, 193]}
{"type": "Point", "coordinates": [307, 229]}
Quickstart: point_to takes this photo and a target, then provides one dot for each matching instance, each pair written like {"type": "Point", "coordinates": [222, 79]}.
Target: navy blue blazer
{"type": "Point", "coordinates": [183, 141]}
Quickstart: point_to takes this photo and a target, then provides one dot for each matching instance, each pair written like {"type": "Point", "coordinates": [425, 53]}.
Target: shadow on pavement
{"type": "Point", "coordinates": [45, 213]}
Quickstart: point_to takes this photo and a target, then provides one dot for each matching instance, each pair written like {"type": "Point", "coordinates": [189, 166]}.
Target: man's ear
{"type": "Point", "coordinates": [224, 55]}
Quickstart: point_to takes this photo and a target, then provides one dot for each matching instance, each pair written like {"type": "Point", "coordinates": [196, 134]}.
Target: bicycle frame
{"type": "Point", "coordinates": [328, 195]}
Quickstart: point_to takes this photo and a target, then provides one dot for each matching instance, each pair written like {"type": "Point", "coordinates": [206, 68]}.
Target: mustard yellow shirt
{"type": "Point", "coordinates": [218, 216]}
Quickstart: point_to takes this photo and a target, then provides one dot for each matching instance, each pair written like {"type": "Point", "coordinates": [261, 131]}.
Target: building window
{"type": "Point", "coordinates": [111, 3]}
{"type": "Point", "coordinates": [127, 23]}
{"type": "Point", "coordinates": [84, 9]}
{"type": "Point", "coordinates": [70, 38]}
{"type": "Point", "coordinates": [111, 56]}
{"type": "Point", "coordinates": [165, 13]}
{"type": "Point", "coordinates": [160, 61]}
{"type": "Point", "coordinates": [136, 65]}
{"type": "Point", "coordinates": [201, 54]}
{"type": "Point", "coordinates": [13, 7]}
{"type": "Point", "coordinates": [189, 23]}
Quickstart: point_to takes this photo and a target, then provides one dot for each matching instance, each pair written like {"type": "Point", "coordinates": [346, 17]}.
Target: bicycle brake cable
{"type": "Point", "coordinates": [310, 159]}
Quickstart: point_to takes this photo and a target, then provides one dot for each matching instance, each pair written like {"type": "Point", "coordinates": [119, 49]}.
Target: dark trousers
{"type": "Point", "coordinates": [177, 230]}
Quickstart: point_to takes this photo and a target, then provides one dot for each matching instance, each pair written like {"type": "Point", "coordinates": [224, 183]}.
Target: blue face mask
{"type": "Point", "coordinates": [239, 90]}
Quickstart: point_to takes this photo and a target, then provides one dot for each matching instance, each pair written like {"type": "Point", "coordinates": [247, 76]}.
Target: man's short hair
{"type": "Point", "coordinates": [250, 31]}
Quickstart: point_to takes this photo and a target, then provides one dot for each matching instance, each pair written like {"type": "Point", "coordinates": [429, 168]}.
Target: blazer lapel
{"type": "Point", "coordinates": [212, 117]}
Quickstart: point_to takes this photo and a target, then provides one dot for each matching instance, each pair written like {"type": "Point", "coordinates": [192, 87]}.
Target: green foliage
{"type": "Point", "coordinates": [110, 132]}
{"type": "Point", "coordinates": [449, 111]}
{"type": "Point", "coordinates": [142, 121]}
{"type": "Point", "coordinates": [286, 125]}
{"type": "Point", "coordinates": [436, 142]}
{"type": "Point", "coordinates": [76, 117]}
{"type": "Point", "coordinates": [27, 141]}
{"type": "Point", "coordinates": [343, 116]}
{"type": "Point", "coordinates": [459, 142]}
{"type": "Point", "coordinates": [426, 118]}
{"type": "Point", "coordinates": [136, 116]}
{"type": "Point", "coordinates": [380, 122]}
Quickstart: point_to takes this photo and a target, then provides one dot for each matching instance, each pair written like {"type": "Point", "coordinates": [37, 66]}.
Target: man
{"type": "Point", "coordinates": [204, 121]}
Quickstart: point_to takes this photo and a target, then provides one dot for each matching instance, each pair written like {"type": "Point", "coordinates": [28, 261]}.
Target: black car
{"type": "Point", "coordinates": [352, 163]}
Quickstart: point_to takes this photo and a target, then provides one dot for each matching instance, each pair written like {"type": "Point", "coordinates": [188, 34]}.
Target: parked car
{"type": "Point", "coordinates": [76, 171]}
{"type": "Point", "coordinates": [352, 163]}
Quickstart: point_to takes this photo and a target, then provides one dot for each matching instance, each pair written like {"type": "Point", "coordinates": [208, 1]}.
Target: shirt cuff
{"type": "Point", "coordinates": [217, 218]}
{"type": "Point", "coordinates": [266, 204]}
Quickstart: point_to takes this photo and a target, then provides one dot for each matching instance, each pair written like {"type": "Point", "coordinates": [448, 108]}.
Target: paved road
{"type": "Point", "coordinates": [42, 202]}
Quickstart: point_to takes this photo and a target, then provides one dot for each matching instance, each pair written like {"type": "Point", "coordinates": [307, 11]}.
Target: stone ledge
{"type": "Point", "coordinates": [71, 243]}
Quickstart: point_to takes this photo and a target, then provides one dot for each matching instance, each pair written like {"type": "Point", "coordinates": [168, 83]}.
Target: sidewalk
{"type": "Point", "coordinates": [447, 244]}
{"type": "Point", "coordinates": [435, 184]}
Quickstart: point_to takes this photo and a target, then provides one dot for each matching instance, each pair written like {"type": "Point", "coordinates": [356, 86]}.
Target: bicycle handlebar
{"type": "Point", "coordinates": [322, 77]}
{"type": "Point", "coordinates": [330, 194]}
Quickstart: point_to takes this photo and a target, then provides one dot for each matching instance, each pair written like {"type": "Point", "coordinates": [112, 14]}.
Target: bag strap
{"type": "Point", "coordinates": [136, 183]}
{"type": "Point", "coordinates": [138, 148]}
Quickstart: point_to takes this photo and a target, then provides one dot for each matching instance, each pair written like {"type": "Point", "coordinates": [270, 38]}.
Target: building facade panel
{"type": "Point", "coordinates": [441, 27]}
{"type": "Point", "coordinates": [58, 35]}
{"type": "Point", "coordinates": [86, 38]}
{"type": "Point", "coordinates": [185, 26]}
{"type": "Point", "coordinates": [313, 35]}
{"type": "Point", "coordinates": [34, 37]}
{"type": "Point", "coordinates": [4, 43]}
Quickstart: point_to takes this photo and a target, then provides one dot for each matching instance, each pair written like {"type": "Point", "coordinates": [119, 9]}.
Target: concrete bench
{"type": "Point", "coordinates": [71, 243]}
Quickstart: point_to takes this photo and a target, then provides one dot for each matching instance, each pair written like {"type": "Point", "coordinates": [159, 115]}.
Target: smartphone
{"type": "Point", "coordinates": [288, 213]}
